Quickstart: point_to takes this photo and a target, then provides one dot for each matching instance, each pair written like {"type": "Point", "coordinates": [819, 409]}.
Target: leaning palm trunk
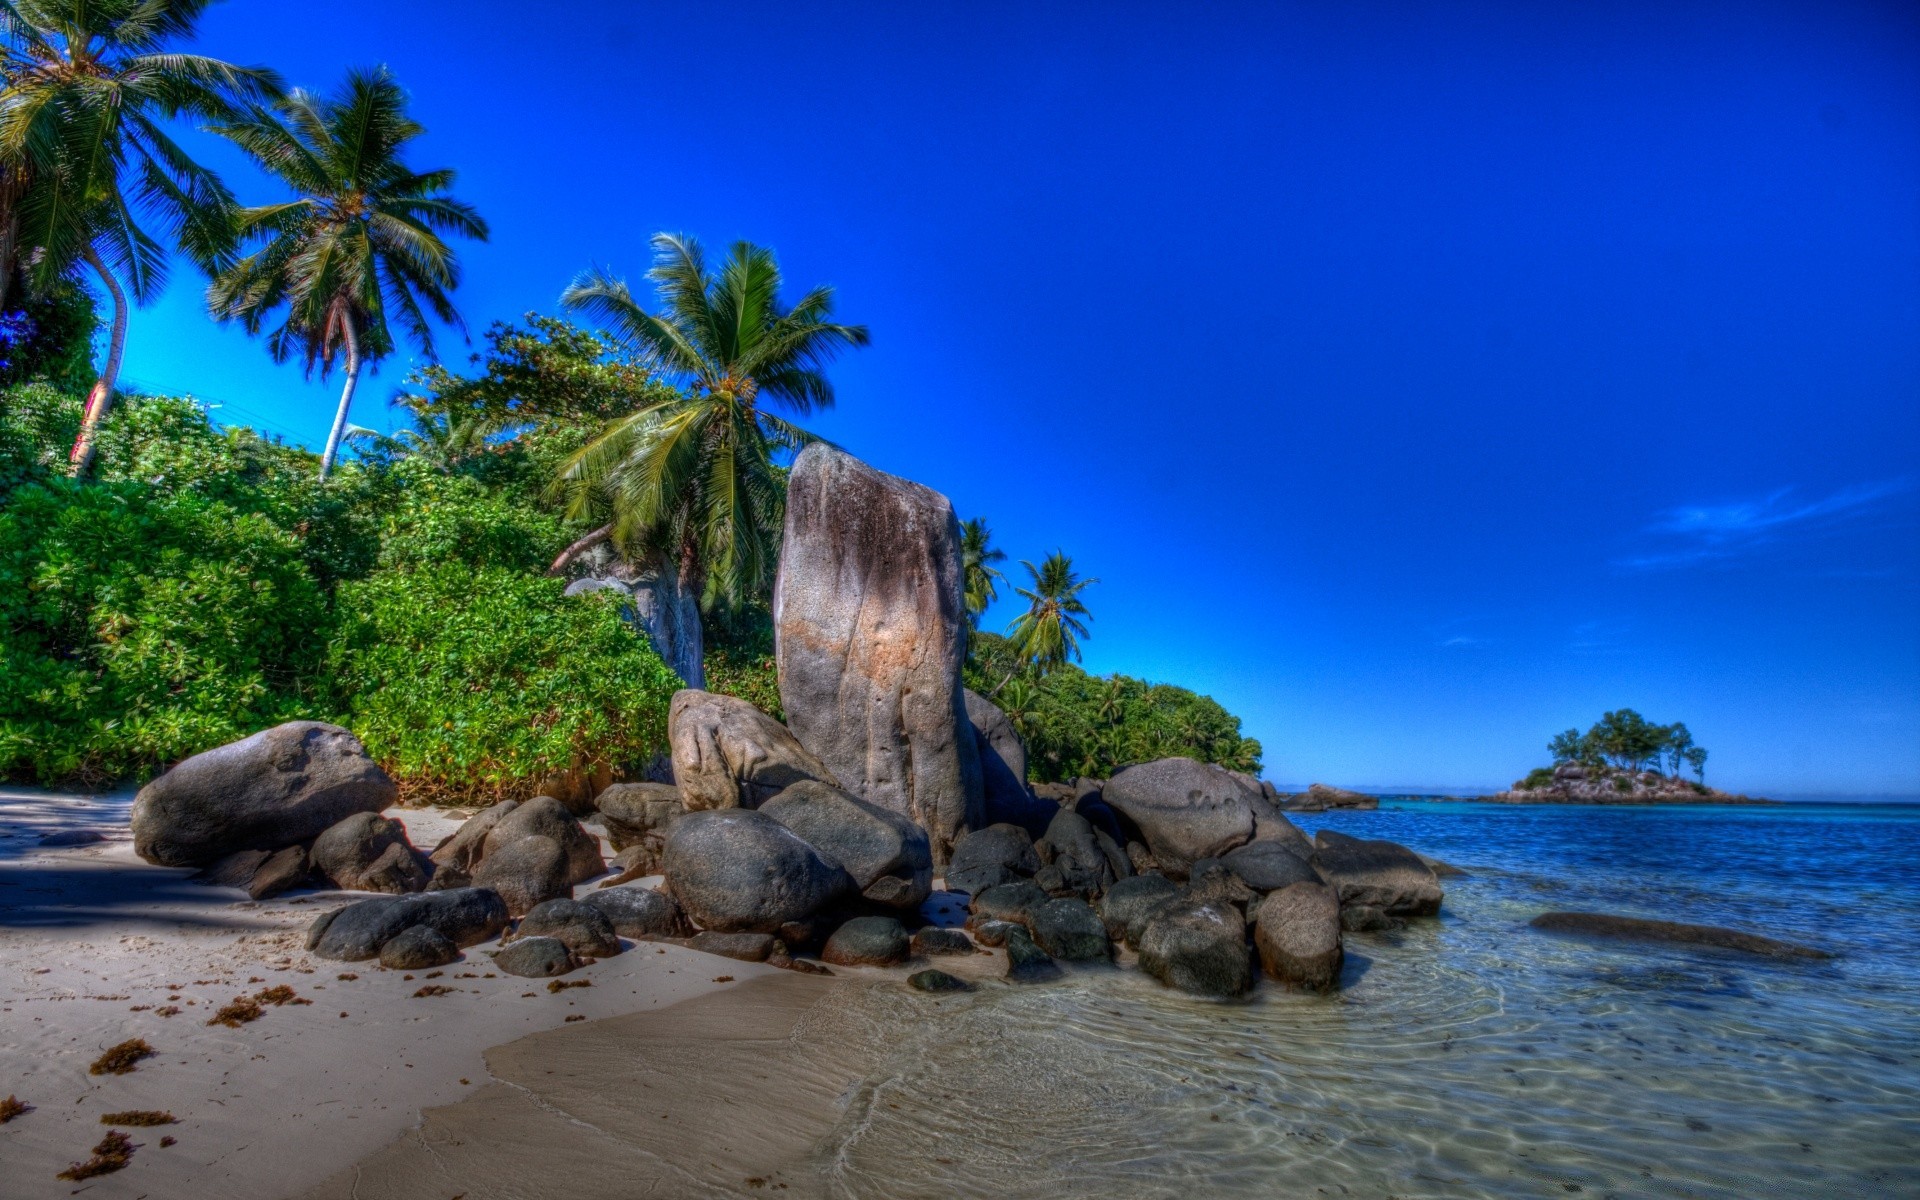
{"type": "Point", "coordinates": [102, 394]}
{"type": "Point", "coordinates": [346, 400]}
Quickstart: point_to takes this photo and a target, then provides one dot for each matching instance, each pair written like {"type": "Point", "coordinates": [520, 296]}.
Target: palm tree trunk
{"type": "Point", "coordinates": [580, 547]}
{"type": "Point", "coordinates": [102, 394]}
{"type": "Point", "coordinates": [346, 400]}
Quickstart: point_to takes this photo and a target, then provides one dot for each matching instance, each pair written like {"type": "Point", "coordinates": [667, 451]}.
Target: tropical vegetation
{"type": "Point", "coordinates": [1623, 740]}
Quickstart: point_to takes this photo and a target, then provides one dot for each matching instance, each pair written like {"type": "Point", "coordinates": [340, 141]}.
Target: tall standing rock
{"type": "Point", "coordinates": [870, 634]}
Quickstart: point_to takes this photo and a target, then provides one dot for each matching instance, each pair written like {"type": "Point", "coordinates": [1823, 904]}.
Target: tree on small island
{"type": "Point", "coordinates": [1624, 741]}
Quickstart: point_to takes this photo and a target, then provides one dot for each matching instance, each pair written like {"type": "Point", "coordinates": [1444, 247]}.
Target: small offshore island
{"type": "Point", "coordinates": [1616, 761]}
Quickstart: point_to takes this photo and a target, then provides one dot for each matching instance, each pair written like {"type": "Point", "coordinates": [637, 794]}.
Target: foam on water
{"type": "Point", "coordinates": [1465, 1056]}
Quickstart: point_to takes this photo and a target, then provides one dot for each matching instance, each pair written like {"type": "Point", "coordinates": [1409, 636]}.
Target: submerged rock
{"type": "Point", "coordinates": [931, 980]}
{"type": "Point", "coordinates": [1642, 930]}
{"type": "Point", "coordinates": [279, 787]}
{"type": "Point", "coordinates": [1026, 961]}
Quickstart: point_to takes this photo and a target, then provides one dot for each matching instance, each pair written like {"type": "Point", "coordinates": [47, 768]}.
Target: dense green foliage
{"type": "Point", "coordinates": [48, 335]}
{"type": "Point", "coordinates": [1079, 724]}
{"type": "Point", "coordinates": [475, 684]}
{"type": "Point", "coordinates": [1628, 741]}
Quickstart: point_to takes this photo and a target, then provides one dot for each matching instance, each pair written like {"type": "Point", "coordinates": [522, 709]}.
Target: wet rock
{"type": "Point", "coordinates": [887, 855]}
{"type": "Point", "coordinates": [747, 947]}
{"type": "Point", "coordinates": [1130, 902]}
{"type": "Point", "coordinates": [990, 857]}
{"type": "Point", "coordinates": [870, 632]}
{"type": "Point", "coordinates": [543, 816]}
{"type": "Point", "coordinates": [535, 958]}
{"type": "Point", "coordinates": [737, 870]}
{"type": "Point", "coordinates": [729, 754]}
{"type": "Point", "coordinates": [1444, 870]}
{"type": "Point", "coordinates": [73, 837]}
{"type": "Point", "coordinates": [526, 872]}
{"type": "Point", "coordinates": [933, 940]}
{"type": "Point", "coordinates": [1269, 866]}
{"type": "Point", "coordinates": [1069, 930]}
{"type": "Point", "coordinates": [1073, 849]}
{"type": "Point", "coordinates": [280, 787]}
{"type": "Point", "coordinates": [357, 931]}
{"type": "Point", "coordinates": [1604, 925]}
{"type": "Point", "coordinates": [1026, 961]}
{"type": "Point", "coordinates": [1297, 932]}
{"type": "Point", "coordinates": [1198, 948]}
{"type": "Point", "coordinates": [584, 928]}
{"type": "Point", "coordinates": [418, 948]}
{"type": "Point", "coordinates": [1187, 810]}
{"type": "Point", "coordinates": [1015, 902]}
{"type": "Point", "coordinates": [867, 942]}
{"type": "Point", "coordinates": [465, 846]}
{"type": "Point", "coordinates": [931, 980]}
{"type": "Point", "coordinates": [366, 852]}
{"type": "Point", "coordinates": [1364, 918]}
{"type": "Point", "coordinates": [639, 913]}
{"type": "Point", "coordinates": [1377, 874]}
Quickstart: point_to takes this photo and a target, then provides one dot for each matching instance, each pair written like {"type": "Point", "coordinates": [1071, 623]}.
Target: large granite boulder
{"type": "Point", "coordinates": [1130, 903]}
{"type": "Point", "coordinates": [870, 632]}
{"type": "Point", "coordinates": [543, 816]}
{"type": "Point", "coordinates": [1269, 866]}
{"type": "Point", "coordinates": [1073, 847]}
{"type": "Point", "coordinates": [867, 942]}
{"type": "Point", "coordinates": [280, 787]}
{"type": "Point", "coordinates": [1198, 948]}
{"type": "Point", "coordinates": [526, 872]}
{"type": "Point", "coordinates": [990, 857]}
{"type": "Point", "coordinates": [366, 852]}
{"type": "Point", "coordinates": [1376, 874]}
{"type": "Point", "coordinates": [1297, 932]}
{"type": "Point", "coordinates": [738, 870]}
{"type": "Point", "coordinates": [1070, 930]}
{"type": "Point", "coordinates": [464, 916]}
{"type": "Point", "coordinates": [729, 754]}
{"type": "Point", "coordinates": [1003, 768]}
{"type": "Point", "coordinates": [1187, 810]}
{"type": "Point", "coordinates": [629, 812]}
{"type": "Point", "coordinates": [887, 855]}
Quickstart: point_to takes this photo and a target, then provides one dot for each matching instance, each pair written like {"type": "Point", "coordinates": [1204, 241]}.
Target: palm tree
{"type": "Point", "coordinates": [691, 482]}
{"type": "Point", "coordinates": [1113, 700]}
{"type": "Point", "coordinates": [977, 556]}
{"type": "Point", "coordinates": [359, 249]}
{"type": "Point", "coordinates": [1048, 634]}
{"type": "Point", "coordinates": [85, 157]}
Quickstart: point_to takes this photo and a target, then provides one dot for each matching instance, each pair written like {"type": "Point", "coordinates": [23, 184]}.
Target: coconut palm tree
{"type": "Point", "coordinates": [693, 482]}
{"type": "Point", "coordinates": [1048, 634]}
{"type": "Point", "coordinates": [88, 171]}
{"type": "Point", "coordinates": [359, 250]}
{"type": "Point", "coordinates": [977, 558]}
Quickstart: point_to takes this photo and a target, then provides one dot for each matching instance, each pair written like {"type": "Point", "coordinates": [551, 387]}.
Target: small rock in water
{"type": "Point", "coordinates": [867, 942]}
{"type": "Point", "coordinates": [1026, 961]}
{"type": "Point", "coordinates": [1364, 918]}
{"type": "Point", "coordinates": [937, 981]}
{"type": "Point", "coordinates": [1637, 929]}
{"type": "Point", "coordinates": [1199, 948]}
{"type": "Point", "coordinates": [933, 940]}
{"type": "Point", "coordinates": [1297, 932]}
{"type": "Point", "coordinates": [73, 837]}
{"type": "Point", "coordinates": [535, 958]}
{"type": "Point", "coordinates": [417, 949]}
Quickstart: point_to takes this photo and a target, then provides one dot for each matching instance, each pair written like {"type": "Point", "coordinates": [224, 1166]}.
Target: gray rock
{"type": "Point", "coordinates": [1130, 902]}
{"type": "Point", "coordinates": [357, 931]}
{"type": "Point", "coordinates": [527, 872]}
{"type": "Point", "coordinates": [1051, 880]}
{"type": "Point", "coordinates": [535, 958]}
{"type": "Point", "coordinates": [933, 940]}
{"type": "Point", "coordinates": [989, 857]}
{"type": "Point", "coordinates": [1069, 930]}
{"type": "Point", "coordinates": [1026, 961]}
{"type": "Point", "coordinates": [1187, 810]}
{"type": "Point", "coordinates": [1003, 768]}
{"type": "Point", "coordinates": [631, 811]}
{"type": "Point", "coordinates": [234, 870]}
{"type": "Point", "coordinates": [639, 913]}
{"type": "Point", "coordinates": [931, 980]}
{"type": "Point", "coordinates": [747, 947]}
{"type": "Point", "coordinates": [1319, 797]}
{"type": "Point", "coordinates": [418, 948]}
{"type": "Point", "coordinates": [1212, 883]}
{"type": "Point", "coordinates": [543, 816]}
{"type": "Point", "coordinates": [1198, 948]}
{"type": "Point", "coordinates": [279, 787]}
{"type": "Point", "coordinates": [867, 942]}
{"type": "Point", "coordinates": [1364, 918]}
{"type": "Point", "coordinates": [448, 877]}
{"type": "Point", "coordinates": [729, 754]}
{"type": "Point", "coordinates": [1269, 866]}
{"type": "Point", "coordinates": [1073, 848]}
{"type": "Point", "coordinates": [1297, 932]}
{"type": "Point", "coordinates": [1377, 874]}
{"type": "Point", "coordinates": [870, 632]}
{"type": "Point", "coordinates": [73, 837]}
{"type": "Point", "coordinates": [737, 870]}
{"type": "Point", "coordinates": [1605, 925]}
{"type": "Point", "coordinates": [355, 854]}
{"type": "Point", "coordinates": [586, 930]}
{"type": "Point", "coordinates": [994, 933]}
{"type": "Point", "coordinates": [465, 846]}
{"type": "Point", "coordinates": [283, 871]}
{"type": "Point", "coordinates": [886, 854]}
{"type": "Point", "coordinates": [1015, 902]}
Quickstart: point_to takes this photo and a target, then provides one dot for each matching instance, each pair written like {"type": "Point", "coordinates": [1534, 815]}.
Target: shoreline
{"type": "Point", "coordinates": [96, 944]}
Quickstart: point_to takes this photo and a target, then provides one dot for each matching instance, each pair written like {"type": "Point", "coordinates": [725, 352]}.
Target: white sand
{"type": "Point", "coordinates": [95, 943]}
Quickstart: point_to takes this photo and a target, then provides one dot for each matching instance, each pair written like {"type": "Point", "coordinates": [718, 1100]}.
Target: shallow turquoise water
{"type": "Point", "coordinates": [1466, 1056]}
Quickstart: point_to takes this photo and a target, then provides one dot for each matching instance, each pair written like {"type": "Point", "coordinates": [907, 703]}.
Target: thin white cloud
{"type": "Point", "coordinates": [1709, 532]}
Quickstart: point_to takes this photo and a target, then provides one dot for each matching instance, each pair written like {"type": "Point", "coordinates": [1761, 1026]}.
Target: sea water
{"type": "Point", "coordinates": [1464, 1056]}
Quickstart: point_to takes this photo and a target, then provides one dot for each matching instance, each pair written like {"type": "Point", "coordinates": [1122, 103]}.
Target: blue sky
{"type": "Point", "coordinates": [1418, 379]}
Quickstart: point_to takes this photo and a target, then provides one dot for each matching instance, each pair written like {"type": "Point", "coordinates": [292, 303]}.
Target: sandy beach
{"type": "Point", "coordinates": [98, 947]}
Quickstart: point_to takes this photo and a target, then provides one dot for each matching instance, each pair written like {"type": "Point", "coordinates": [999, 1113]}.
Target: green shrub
{"type": "Point", "coordinates": [739, 658]}
{"type": "Point", "coordinates": [38, 423]}
{"type": "Point", "coordinates": [1539, 777]}
{"type": "Point", "coordinates": [138, 627]}
{"type": "Point", "coordinates": [49, 337]}
{"type": "Point", "coordinates": [438, 518]}
{"type": "Point", "coordinates": [470, 685]}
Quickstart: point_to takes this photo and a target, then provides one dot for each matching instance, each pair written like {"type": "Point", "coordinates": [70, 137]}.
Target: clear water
{"type": "Point", "coordinates": [1465, 1056]}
